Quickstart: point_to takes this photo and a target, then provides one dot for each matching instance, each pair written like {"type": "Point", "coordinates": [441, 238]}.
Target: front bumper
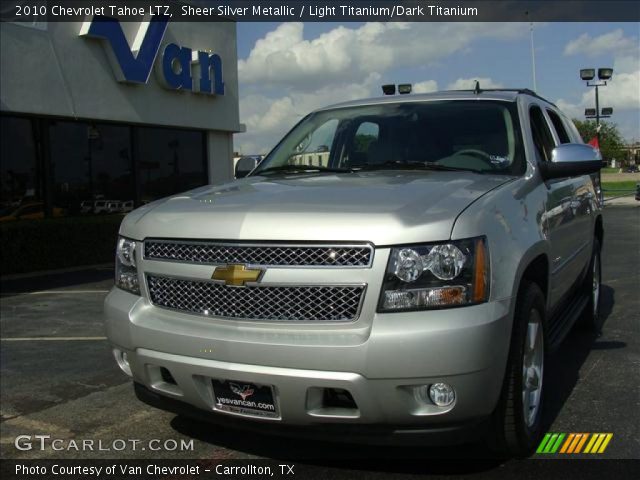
{"type": "Point", "coordinates": [379, 364]}
{"type": "Point", "coordinates": [450, 434]}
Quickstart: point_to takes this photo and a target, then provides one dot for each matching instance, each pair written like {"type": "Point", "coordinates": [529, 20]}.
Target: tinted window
{"type": "Point", "coordinates": [89, 160]}
{"type": "Point", "coordinates": [542, 138]}
{"type": "Point", "coordinates": [21, 178]}
{"type": "Point", "coordinates": [73, 163]}
{"type": "Point", "coordinates": [30, 210]}
{"type": "Point", "coordinates": [365, 138]}
{"type": "Point", "coordinates": [170, 161]}
{"type": "Point", "coordinates": [366, 134]}
{"type": "Point", "coordinates": [559, 127]}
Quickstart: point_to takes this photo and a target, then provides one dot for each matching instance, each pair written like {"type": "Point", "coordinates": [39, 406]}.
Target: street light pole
{"type": "Point", "coordinates": [533, 60]}
{"type": "Point", "coordinates": [604, 74]}
{"type": "Point", "coordinates": [597, 116]}
{"type": "Point", "coordinates": [533, 52]}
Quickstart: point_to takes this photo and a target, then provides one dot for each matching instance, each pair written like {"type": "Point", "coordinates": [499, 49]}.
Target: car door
{"type": "Point", "coordinates": [584, 198]}
{"type": "Point", "coordinates": [560, 214]}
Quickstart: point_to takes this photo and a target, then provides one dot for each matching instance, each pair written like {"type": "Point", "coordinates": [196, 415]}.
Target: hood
{"type": "Point", "coordinates": [381, 207]}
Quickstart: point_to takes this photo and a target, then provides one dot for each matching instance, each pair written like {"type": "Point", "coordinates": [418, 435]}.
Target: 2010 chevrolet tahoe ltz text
{"type": "Point", "coordinates": [396, 268]}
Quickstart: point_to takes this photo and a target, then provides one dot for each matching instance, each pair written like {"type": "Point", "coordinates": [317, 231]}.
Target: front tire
{"type": "Point", "coordinates": [517, 420]}
{"type": "Point", "coordinates": [592, 287]}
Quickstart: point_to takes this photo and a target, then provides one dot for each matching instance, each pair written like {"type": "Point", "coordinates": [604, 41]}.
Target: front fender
{"type": "Point", "coordinates": [512, 218]}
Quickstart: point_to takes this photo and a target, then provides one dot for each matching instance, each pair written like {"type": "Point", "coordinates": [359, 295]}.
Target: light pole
{"type": "Point", "coordinates": [533, 59]}
{"type": "Point", "coordinates": [533, 52]}
{"type": "Point", "coordinates": [604, 74]}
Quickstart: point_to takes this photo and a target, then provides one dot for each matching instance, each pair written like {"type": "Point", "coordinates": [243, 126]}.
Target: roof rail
{"type": "Point", "coordinates": [526, 91]}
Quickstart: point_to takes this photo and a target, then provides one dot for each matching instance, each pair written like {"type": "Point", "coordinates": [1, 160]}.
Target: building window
{"type": "Point", "coordinates": [21, 178]}
{"type": "Point", "coordinates": [90, 162]}
{"type": "Point", "coordinates": [82, 167]}
{"type": "Point", "coordinates": [169, 161]}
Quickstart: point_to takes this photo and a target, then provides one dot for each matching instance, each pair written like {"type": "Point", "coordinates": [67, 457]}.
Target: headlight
{"type": "Point", "coordinates": [126, 270]}
{"type": "Point", "coordinates": [442, 275]}
{"type": "Point", "coordinates": [407, 265]}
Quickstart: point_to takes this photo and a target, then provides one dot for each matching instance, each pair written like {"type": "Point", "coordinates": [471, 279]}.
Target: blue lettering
{"type": "Point", "coordinates": [132, 65]}
{"type": "Point", "coordinates": [209, 63]}
{"type": "Point", "coordinates": [176, 67]}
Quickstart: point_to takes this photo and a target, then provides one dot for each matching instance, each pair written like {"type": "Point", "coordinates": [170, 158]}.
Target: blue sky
{"type": "Point", "coordinates": [286, 70]}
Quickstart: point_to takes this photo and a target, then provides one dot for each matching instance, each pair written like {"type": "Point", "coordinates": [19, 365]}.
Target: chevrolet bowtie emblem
{"type": "Point", "coordinates": [236, 275]}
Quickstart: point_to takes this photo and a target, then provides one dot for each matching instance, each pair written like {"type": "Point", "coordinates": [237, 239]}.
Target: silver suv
{"type": "Point", "coordinates": [395, 268]}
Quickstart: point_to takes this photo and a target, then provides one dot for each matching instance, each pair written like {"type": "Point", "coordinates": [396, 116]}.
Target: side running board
{"type": "Point", "coordinates": [562, 323]}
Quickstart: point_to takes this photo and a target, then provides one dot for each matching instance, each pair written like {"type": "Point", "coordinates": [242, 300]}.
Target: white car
{"type": "Point", "coordinates": [126, 207]}
{"type": "Point", "coordinates": [113, 206]}
{"type": "Point", "coordinates": [100, 206]}
{"type": "Point", "coordinates": [86, 206]}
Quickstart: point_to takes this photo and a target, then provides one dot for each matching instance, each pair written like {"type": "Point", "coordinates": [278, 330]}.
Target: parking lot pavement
{"type": "Point", "coordinates": [624, 200]}
{"type": "Point", "coordinates": [58, 377]}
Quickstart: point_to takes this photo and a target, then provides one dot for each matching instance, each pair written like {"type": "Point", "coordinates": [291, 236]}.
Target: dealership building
{"type": "Point", "coordinates": [107, 109]}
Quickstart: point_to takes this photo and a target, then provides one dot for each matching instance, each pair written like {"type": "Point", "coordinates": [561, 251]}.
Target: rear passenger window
{"type": "Point", "coordinates": [542, 137]}
{"type": "Point", "coordinates": [559, 126]}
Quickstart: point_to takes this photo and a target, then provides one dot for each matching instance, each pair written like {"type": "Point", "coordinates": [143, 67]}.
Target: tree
{"type": "Point", "coordinates": [362, 142]}
{"type": "Point", "coordinates": [611, 143]}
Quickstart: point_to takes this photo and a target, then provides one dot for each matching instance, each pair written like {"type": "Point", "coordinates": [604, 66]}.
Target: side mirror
{"type": "Point", "coordinates": [571, 160]}
{"type": "Point", "coordinates": [245, 165]}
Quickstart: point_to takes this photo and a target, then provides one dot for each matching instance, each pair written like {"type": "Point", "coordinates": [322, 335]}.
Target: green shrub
{"type": "Point", "coordinates": [32, 245]}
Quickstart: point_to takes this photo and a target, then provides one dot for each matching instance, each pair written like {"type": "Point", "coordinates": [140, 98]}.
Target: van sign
{"type": "Point", "coordinates": [133, 64]}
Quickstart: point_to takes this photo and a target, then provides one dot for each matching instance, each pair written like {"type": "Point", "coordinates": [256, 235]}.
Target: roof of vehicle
{"type": "Point", "coordinates": [503, 94]}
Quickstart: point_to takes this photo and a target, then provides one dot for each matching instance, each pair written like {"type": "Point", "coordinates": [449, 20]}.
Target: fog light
{"type": "Point", "coordinates": [122, 360]}
{"type": "Point", "coordinates": [442, 394]}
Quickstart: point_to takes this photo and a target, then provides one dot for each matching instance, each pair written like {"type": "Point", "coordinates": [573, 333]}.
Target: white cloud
{"type": "Point", "coordinates": [470, 83]}
{"type": "Point", "coordinates": [285, 57]}
{"type": "Point", "coordinates": [268, 119]}
{"type": "Point", "coordinates": [570, 109]}
{"type": "Point", "coordinates": [427, 86]}
{"type": "Point", "coordinates": [622, 92]}
{"type": "Point", "coordinates": [612, 42]}
{"type": "Point", "coordinates": [344, 63]}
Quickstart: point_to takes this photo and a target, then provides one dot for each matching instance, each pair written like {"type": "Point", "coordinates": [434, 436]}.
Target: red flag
{"type": "Point", "coordinates": [594, 143]}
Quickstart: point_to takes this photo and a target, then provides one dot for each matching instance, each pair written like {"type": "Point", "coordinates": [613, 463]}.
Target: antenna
{"type": "Point", "coordinates": [477, 90]}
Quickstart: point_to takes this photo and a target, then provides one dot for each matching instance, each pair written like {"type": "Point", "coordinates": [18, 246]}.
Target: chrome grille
{"type": "Point", "coordinates": [268, 255]}
{"type": "Point", "coordinates": [321, 302]}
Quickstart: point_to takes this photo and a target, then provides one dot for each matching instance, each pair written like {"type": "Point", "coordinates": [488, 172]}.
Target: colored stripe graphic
{"type": "Point", "coordinates": [567, 443]}
{"type": "Point", "coordinates": [573, 443]}
{"type": "Point", "coordinates": [604, 445]}
{"type": "Point", "coordinates": [579, 437]}
{"type": "Point", "coordinates": [582, 442]}
{"type": "Point", "coordinates": [550, 443]}
{"type": "Point", "coordinates": [543, 443]}
{"type": "Point", "coordinates": [555, 447]}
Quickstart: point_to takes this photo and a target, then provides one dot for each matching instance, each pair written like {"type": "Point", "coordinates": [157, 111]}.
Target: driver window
{"type": "Point", "coordinates": [558, 125]}
{"type": "Point", "coordinates": [542, 137]}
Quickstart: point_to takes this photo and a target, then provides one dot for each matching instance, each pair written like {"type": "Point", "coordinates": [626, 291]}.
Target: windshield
{"type": "Point", "coordinates": [482, 136]}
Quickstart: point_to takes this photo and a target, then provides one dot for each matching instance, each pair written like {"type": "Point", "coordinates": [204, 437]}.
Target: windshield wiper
{"type": "Point", "coordinates": [303, 169]}
{"type": "Point", "coordinates": [413, 166]}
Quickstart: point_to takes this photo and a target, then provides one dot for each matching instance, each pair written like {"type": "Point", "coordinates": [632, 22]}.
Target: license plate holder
{"type": "Point", "coordinates": [244, 398]}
